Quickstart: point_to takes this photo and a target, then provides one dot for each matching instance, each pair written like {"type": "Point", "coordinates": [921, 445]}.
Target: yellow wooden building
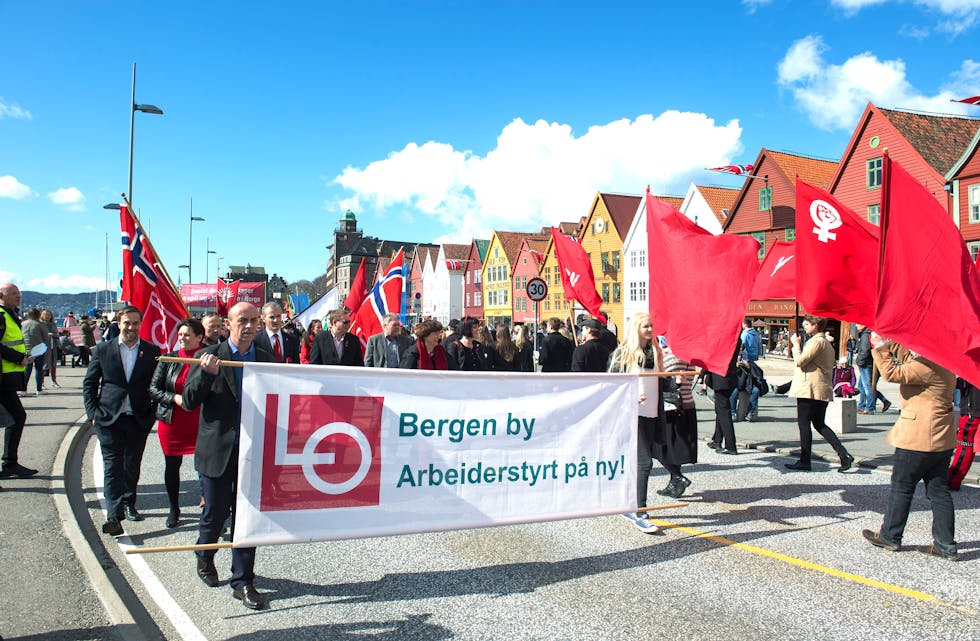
{"type": "Point", "coordinates": [498, 283]}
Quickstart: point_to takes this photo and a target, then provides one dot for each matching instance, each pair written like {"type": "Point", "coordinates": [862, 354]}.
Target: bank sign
{"type": "Point", "coordinates": [335, 452]}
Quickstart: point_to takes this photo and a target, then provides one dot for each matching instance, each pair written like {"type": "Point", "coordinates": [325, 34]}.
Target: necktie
{"type": "Point", "coordinates": [277, 347]}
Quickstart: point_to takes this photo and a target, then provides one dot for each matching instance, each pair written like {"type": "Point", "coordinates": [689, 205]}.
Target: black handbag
{"type": "Point", "coordinates": [670, 391]}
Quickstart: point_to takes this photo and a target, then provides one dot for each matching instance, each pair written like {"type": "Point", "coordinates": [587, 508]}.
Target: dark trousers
{"type": "Point", "coordinates": [911, 467]}
{"type": "Point", "coordinates": [122, 455]}
{"type": "Point", "coordinates": [644, 458]}
{"type": "Point", "coordinates": [11, 435]}
{"type": "Point", "coordinates": [219, 501]}
{"type": "Point", "coordinates": [724, 428]}
{"type": "Point", "coordinates": [810, 411]}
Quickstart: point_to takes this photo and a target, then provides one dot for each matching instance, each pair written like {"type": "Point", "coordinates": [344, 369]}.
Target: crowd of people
{"type": "Point", "coordinates": [196, 405]}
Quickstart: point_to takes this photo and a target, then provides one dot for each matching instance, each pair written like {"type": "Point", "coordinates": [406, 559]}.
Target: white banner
{"type": "Point", "coordinates": [337, 453]}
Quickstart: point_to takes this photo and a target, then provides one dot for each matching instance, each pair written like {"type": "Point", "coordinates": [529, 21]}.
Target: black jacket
{"type": "Point", "coordinates": [324, 352]}
{"type": "Point", "coordinates": [555, 353]}
{"type": "Point", "coordinates": [863, 357]}
{"type": "Point", "coordinates": [163, 387]}
{"type": "Point", "coordinates": [591, 356]}
{"type": "Point", "coordinates": [468, 359]}
{"type": "Point", "coordinates": [728, 380]}
{"type": "Point", "coordinates": [290, 346]}
{"type": "Point", "coordinates": [105, 386]}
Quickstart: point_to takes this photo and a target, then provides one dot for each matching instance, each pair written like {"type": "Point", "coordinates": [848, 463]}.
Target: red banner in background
{"type": "Point", "coordinates": [205, 294]}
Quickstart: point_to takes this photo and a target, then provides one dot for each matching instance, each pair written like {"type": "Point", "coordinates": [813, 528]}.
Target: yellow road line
{"type": "Point", "coordinates": [915, 594]}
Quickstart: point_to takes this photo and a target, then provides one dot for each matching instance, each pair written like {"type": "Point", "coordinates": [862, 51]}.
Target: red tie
{"type": "Point", "coordinates": [276, 347]}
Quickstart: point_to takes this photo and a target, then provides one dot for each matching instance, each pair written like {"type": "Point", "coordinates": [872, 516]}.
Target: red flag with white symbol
{"type": "Point", "coordinates": [577, 276]}
{"type": "Point", "coordinates": [227, 296]}
{"type": "Point", "coordinates": [777, 276]}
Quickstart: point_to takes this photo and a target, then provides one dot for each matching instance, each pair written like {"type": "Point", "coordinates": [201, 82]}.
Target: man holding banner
{"type": "Point", "coordinates": [218, 392]}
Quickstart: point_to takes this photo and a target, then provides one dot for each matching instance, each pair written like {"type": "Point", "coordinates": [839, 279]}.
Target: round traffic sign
{"type": "Point", "coordinates": [537, 289]}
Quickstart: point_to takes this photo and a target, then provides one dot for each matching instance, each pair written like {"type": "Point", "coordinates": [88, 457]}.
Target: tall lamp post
{"type": "Point", "coordinates": [207, 263]}
{"type": "Point", "coordinates": [188, 268]}
{"type": "Point", "coordinates": [147, 109]}
{"type": "Point", "coordinates": [190, 243]}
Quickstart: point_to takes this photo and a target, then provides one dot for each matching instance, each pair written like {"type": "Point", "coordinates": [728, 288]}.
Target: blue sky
{"type": "Point", "coordinates": [433, 121]}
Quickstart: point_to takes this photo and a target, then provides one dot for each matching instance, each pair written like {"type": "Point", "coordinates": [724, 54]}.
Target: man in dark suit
{"type": "Point", "coordinates": [116, 391]}
{"type": "Point", "coordinates": [337, 346]}
{"type": "Point", "coordinates": [723, 384]}
{"type": "Point", "coordinates": [284, 346]}
{"type": "Point", "coordinates": [591, 355]}
{"type": "Point", "coordinates": [218, 392]}
{"type": "Point", "coordinates": [386, 348]}
{"type": "Point", "coordinates": [555, 352]}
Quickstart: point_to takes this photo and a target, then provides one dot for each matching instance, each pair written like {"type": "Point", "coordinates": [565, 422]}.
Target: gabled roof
{"type": "Point", "coordinates": [719, 199]}
{"type": "Point", "coordinates": [569, 229]}
{"type": "Point", "coordinates": [939, 139]}
{"type": "Point", "coordinates": [510, 242]}
{"type": "Point", "coordinates": [455, 251]}
{"type": "Point", "coordinates": [622, 208]}
{"type": "Point", "coordinates": [673, 201]}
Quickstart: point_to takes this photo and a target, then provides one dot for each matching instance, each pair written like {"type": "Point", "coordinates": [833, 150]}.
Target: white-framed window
{"type": "Point", "coordinates": [477, 299]}
{"type": "Point", "coordinates": [467, 278]}
{"type": "Point", "coordinates": [467, 300]}
{"type": "Point", "coordinates": [642, 257]}
{"type": "Point", "coordinates": [874, 214]}
{"type": "Point", "coordinates": [477, 276]}
{"type": "Point", "coordinates": [643, 291]}
{"type": "Point", "coordinates": [974, 247]}
{"type": "Point", "coordinates": [633, 258]}
{"type": "Point", "coordinates": [632, 289]}
{"type": "Point", "coordinates": [974, 204]}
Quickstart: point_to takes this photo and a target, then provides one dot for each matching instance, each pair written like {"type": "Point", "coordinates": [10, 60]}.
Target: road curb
{"type": "Point", "coordinates": [99, 568]}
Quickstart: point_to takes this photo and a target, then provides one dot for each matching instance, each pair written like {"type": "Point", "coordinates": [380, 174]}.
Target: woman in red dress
{"type": "Point", "coordinates": [176, 427]}
{"type": "Point", "coordinates": [304, 349]}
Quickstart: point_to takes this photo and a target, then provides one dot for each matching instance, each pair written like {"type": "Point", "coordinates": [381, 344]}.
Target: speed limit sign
{"type": "Point", "coordinates": [537, 289]}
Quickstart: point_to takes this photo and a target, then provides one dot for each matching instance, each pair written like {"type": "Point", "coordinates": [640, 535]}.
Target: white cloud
{"type": "Point", "coordinates": [10, 187]}
{"type": "Point", "coordinates": [8, 277]}
{"type": "Point", "coordinates": [540, 174]}
{"type": "Point", "coordinates": [956, 16]}
{"type": "Point", "coordinates": [56, 283]}
{"type": "Point", "coordinates": [833, 96]}
{"type": "Point", "coordinates": [13, 111]}
{"type": "Point", "coordinates": [69, 197]}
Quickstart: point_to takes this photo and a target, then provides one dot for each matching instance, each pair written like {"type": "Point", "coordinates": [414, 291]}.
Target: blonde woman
{"type": "Point", "coordinates": [640, 352]}
{"type": "Point", "coordinates": [525, 348]}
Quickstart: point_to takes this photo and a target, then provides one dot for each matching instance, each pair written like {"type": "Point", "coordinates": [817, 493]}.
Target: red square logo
{"type": "Point", "coordinates": [328, 455]}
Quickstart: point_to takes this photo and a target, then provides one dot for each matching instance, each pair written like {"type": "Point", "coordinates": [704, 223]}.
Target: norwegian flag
{"type": "Point", "coordinates": [975, 100]}
{"type": "Point", "coordinates": [735, 170]}
{"type": "Point", "coordinates": [227, 295]}
{"type": "Point", "coordinates": [385, 298]}
{"type": "Point", "coordinates": [538, 255]}
{"type": "Point", "coordinates": [146, 286]}
{"type": "Point", "coordinates": [454, 265]}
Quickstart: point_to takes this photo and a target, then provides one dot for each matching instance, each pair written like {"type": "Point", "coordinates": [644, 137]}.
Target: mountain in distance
{"type": "Point", "coordinates": [61, 304]}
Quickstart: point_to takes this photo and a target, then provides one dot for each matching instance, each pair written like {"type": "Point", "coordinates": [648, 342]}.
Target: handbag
{"type": "Point", "coordinates": [671, 392]}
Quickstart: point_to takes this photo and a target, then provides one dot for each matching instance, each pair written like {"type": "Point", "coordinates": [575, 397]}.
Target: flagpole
{"type": "Point", "coordinates": [886, 178]}
{"type": "Point", "coordinates": [163, 267]}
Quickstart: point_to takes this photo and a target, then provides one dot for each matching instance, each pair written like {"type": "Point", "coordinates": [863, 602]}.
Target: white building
{"type": "Point", "coordinates": [444, 292]}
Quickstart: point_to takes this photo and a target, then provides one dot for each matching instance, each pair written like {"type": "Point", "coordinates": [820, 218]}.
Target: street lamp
{"type": "Point", "coordinates": [147, 109]}
{"type": "Point", "coordinates": [190, 242]}
{"type": "Point", "coordinates": [207, 262]}
{"type": "Point", "coordinates": [188, 268]}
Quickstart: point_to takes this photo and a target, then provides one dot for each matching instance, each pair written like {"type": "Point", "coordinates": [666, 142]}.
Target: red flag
{"type": "Point", "coordinates": [147, 287]}
{"type": "Point", "coordinates": [226, 297]}
{"type": "Point", "coordinates": [777, 276]}
{"type": "Point", "coordinates": [928, 296]}
{"type": "Point", "coordinates": [975, 100]}
{"type": "Point", "coordinates": [837, 252]}
{"type": "Point", "coordinates": [385, 298]}
{"type": "Point", "coordinates": [735, 170]}
{"type": "Point", "coordinates": [577, 276]}
{"type": "Point", "coordinates": [358, 290]}
{"type": "Point", "coordinates": [699, 285]}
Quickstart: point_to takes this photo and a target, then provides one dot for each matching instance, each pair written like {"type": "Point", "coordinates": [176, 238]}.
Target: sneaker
{"type": "Point", "coordinates": [752, 417]}
{"type": "Point", "coordinates": [642, 523]}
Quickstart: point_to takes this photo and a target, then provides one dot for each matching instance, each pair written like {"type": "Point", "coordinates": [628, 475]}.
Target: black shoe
{"type": "Point", "coordinates": [249, 596]}
{"type": "Point", "coordinates": [713, 445]}
{"type": "Point", "coordinates": [680, 484]}
{"type": "Point", "coordinates": [131, 513]}
{"type": "Point", "coordinates": [173, 518]}
{"type": "Point", "coordinates": [671, 487]}
{"type": "Point", "coordinates": [17, 470]}
{"type": "Point", "coordinates": [207, 572]}
{"type": "Point", "coordinates": [885, 406]}
{"type": "Point", "coordinates": [112, 528]}
{"type": "Point", "coordinates": [727, 451]}
{"type": "Point", "coordinates": [845, 463]}
{"type": "Point", "coordinates": [932, 551]}
{"type": "Point", "coordinates": [799, 466]}
{"type": "Point", "coordinates": [874, 539]}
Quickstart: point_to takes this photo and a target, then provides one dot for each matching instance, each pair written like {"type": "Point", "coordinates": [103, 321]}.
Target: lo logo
{"type": "Point", "coordinates": [321, 452]}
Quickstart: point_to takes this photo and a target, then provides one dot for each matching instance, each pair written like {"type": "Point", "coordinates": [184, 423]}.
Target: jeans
{"type": "Point", "coordinates": [38, 374]}
{"type": "Point", "coordinates": [753, 400]}
{"type": "Point", "coordinates": [909, 468]}
{"type": "Point", "coordinates": [866, 401]}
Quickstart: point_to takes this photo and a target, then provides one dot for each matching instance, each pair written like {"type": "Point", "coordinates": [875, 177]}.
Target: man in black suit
{"type": "Point", "coordinates": [591, 355]}
{"type": "Point", "coordinates": [555, 352]}
{"type": "Point", "coordinates": [337, 346]}
{"type": "Point", "coordinates": [218, 392]}
{"type": "Point", "coordinates": [284, 346]}
{"type": "Point", "coordinates": [723, 384]}
{"type": "Point", "coordinates": [385, 348]}
{"type": "Point", "coordinates": [116, 391]}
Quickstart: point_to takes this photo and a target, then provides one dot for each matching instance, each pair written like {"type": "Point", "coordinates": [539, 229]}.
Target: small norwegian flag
{"type": "Point", "coordinates": [735, 170]}
{"type": "Point", "coordinates": [975, 100]}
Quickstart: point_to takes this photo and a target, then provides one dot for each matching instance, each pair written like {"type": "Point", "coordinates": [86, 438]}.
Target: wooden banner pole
{"type": "Point", "coordinates": [179, 548]}
{"type": "Point", "coordinates": [662, 507]}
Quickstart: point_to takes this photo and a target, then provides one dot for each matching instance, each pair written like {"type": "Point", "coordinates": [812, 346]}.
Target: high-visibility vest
{"type": "Point", "coordinates": [14, 339]}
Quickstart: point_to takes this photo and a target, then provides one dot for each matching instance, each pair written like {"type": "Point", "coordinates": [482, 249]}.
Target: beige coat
{"type": "Point", "coordinates": [814, 373]}
{"type": "Point", "coordinates": [926, 422]}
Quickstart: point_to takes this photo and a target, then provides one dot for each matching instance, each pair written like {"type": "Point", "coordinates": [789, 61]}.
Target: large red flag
{"type": "Point", "coordinates": [577, 276]}
{"type": "Point", "coordinates": [358, 290]}
{"type": "Point", "coordinates": [699, 285]}
{"type": "Point", "coordinates": [227, 295]}
{"type": "Point", "coordinates": [928, 289]}
{"type": "Point", "coordinates": [147, 287]}
{"type": "Point", "coordinates": [837, 254]}
{"type": "Point", "coordinates": [777, 276]}
{"type": "Point", "coordinates": [385, 298]}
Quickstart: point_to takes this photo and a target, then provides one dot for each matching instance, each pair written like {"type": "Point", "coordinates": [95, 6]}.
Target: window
{"type": "Point", "coordinates": [632, 291]}
{"type": "Point", "coordinates": [467, 300]}
{"type": "Point", "coordinates": [476, 277]}
{"type": "Point", "coordinates": [974, 248]}
{"type": "Point", "coordinates": [547, 305]}
{"type": "Point", "coordinates": [557, 302]}
{"type": "Point", "coordinates": [617, 292]}
{"type": "Point", "coordinates": [642, 255]}
{"type": "Point", "coordinates": [633, 258]}
{"type": "Point", "coordinates": [496, 252]}
{"type": "Point", "coordinates": [615, 260]}
{"type": "Point", "coordinates": [605, 292]}
{"type": "Point", "coordinates": [505, 294]}
{"type": "Point", "coordinates": [557, 277]}
{"type": "Point", "coordinates": [761, 237]}
{"type": "Point", "coordinates": [477, 299]}
{"type": "Point", "coordinates": [789, 234]}
{"type": "Point", "coordinates": [643, 290]}
{"type": "Point", "coordinates": [975, 204]}
{"type": "Point", "coordinates": [765, 198]}
{"type": "Point", "coordinates": [873, 172]}
{"type": "Point", "coordinates": [874, 214]}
